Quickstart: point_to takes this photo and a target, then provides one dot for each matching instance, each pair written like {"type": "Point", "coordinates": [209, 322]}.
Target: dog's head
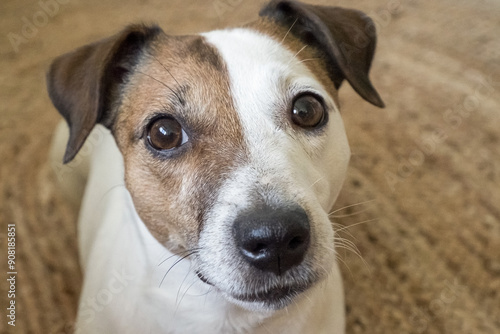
{"type": "Point", "coordinates": [233, 143]}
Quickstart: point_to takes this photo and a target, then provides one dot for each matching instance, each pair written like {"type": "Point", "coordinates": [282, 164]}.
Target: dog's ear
{"type": "Point", "coordinates": [84, 83]}
{"type": "Point", "coordinates": [345, 39]}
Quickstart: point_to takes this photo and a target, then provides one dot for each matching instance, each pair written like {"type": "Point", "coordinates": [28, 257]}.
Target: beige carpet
{"type": "Point", "coordinates": [425, 171]}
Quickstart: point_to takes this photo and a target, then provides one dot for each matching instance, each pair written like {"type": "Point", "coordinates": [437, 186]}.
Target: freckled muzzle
{"type": "Point", "coordinates": [272, 239]}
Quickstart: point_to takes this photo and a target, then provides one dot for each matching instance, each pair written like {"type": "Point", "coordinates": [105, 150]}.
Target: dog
{"type": "Point", "coordinates": [209, 165]}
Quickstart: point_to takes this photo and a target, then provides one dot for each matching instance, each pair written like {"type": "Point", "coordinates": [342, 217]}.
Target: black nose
{"type": "Point", "coordinates": [272, 240]}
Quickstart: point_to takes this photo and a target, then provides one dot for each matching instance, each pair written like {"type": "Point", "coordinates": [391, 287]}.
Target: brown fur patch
{"type": "Point", "coordinates": [186, 78]}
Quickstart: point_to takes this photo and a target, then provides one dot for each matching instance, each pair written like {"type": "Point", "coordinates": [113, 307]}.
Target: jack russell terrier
{"type": "Point", "coordinates": [209, 181]}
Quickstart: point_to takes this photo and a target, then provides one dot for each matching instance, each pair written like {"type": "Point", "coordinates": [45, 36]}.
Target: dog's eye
{"type": "Point", "coordinates": [308, 112]}
{"type": "Point", "coordinates": [166, 134]}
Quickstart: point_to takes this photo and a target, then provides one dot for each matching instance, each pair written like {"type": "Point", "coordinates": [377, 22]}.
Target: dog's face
{"type": "Point", "coordinates": [238, 138]}
{"type": "Point", "coordinates": [233, 143]}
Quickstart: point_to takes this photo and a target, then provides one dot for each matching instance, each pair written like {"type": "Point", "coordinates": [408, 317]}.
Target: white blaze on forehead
{"type": "Point", "coordinates": [264, 75]}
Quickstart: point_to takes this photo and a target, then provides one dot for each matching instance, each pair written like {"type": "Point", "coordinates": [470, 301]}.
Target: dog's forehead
{"type": "Point", "coordinates": [262, 68]}
{"type": "Point", "coordinates": [267, 70]}
{"type": "Point", "coordinates": [218, 79]}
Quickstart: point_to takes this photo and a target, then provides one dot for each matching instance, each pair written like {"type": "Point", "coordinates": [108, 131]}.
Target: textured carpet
{"type": "Point", "coordinates": [422, 199]}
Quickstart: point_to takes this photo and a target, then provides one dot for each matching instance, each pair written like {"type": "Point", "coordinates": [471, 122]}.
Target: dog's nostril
{"type": "Point", "coordinates": [295, 243]}
{"type": "Point", "coordinates": [273, 240]}
{"type": "Point", "coordinates": [259, 248]}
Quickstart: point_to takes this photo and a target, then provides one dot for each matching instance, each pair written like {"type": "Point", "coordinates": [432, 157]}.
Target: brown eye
{"type": "Point", "coordinates": [308, 112]}
{"type": "Point", "coordinates": [166, 134]}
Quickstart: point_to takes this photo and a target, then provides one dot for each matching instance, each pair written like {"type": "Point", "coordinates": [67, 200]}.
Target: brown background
{"type": "Point", "coordinates": [428, 164]}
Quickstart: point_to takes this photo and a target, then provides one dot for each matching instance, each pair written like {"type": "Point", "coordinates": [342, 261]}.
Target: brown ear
{"type": "Point", "coordinates": [345, 39]}
{"type": "Point", "coordinates": [83, 84]}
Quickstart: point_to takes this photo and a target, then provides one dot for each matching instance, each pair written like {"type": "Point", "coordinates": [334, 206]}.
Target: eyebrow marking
{"type": "Point", "coordinates": [182, 101]}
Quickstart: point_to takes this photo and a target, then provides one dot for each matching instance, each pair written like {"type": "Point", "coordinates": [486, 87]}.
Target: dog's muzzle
{"type": "Point", "coordinates": [272, 240]}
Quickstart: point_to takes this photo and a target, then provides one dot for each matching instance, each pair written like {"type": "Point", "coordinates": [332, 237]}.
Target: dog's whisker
{"type": "Point", "coordinates": [162, 65]}
{"type": "Point", "coordinates": [179, 301]}
{"type": "Point", "coordinates": [350, 246]}
{"type": "Point", "coordinates": [288, 31]}
{"type": "Point", "coordinates": [303, 60]}
{"type": "Point", "coordinates": [296, 195]}
{"type": "Point", "coordinates": [347, 232]}
{"type": "Point", "coordinates": [301, 49]}
{"type": "Point", "coordinates": [356, 224]}
{"type": "Point", "coordinates": [209, 289]}
{"type": "Point", "coordinates": [308, 59]}
{"type": "Point", "coordinates": [170, 73]}
{"type": "Point", "coordinates": [350, 206]}
{"type": "Point", "coordinates": [295, 55]}
{"type": "Point", "coordinates": [346, 243]}
{"type": "Point", "coordinates": [204, 294]}
{"type": "Point", "coordinates": [348, 215]}
{"type": "Point", "coordinates": [338, 250]}
{"type": "Point", "coordinates": [309, 298]}
{"type": "Point", "coordinates": [314, 183]}
{"type": "Point", "coordinates": [341, 260]}
{"type": "Point", "coordinates": [182, 283]}
{"type": "Point", "coordinates": [330, 249]}
{"type": "Point", "coordinates": [173, 265]}
{"type": "Point", "coordinates": [179, 254]}
{"type": "Point", "coordinates": [187, 290]}
{"type": "Point", "coordinates": [324, 269]}
{"type": "Point", "coordinates": [163, 84]}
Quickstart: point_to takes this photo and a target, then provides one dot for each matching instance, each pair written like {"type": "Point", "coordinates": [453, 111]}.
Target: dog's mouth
{"type": "Point", "coordinates": [276, 297]}
{"type": "Point", "coordinates": [273, 297]}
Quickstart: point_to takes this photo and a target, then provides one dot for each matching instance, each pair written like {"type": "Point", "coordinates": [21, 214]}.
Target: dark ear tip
{"type": "Point", "coordinates": [379, 102]}
{"type": "Point", "coordinates": [145, 30]}
{"type": "Point", "coordinates": [272, 6]}
{"type": "Point", "coordinates": [373, 97]}
{"type": "Point", "coordinates": [73, 146]}
{"type": "Point", "coordinates": [68, 155]}
{"type": "Point", "coordinates": [363, 86]}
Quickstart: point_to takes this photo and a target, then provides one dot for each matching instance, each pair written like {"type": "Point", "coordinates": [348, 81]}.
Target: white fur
{"type": "Point", "coordinates": [124, 265]}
